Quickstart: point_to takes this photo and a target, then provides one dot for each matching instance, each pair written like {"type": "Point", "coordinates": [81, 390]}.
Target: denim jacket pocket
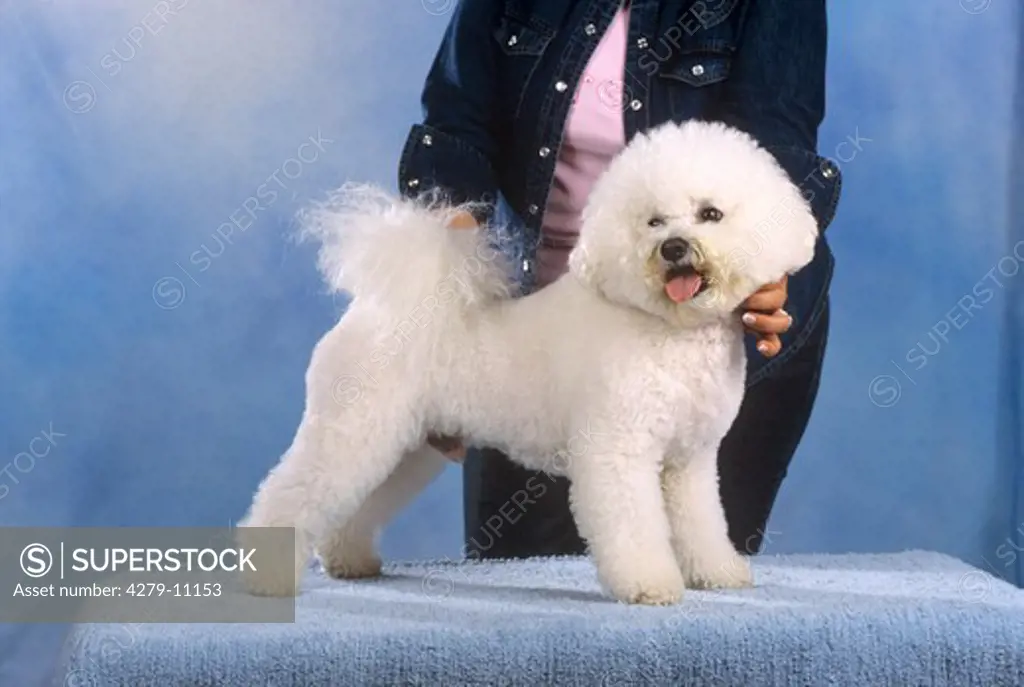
{"type": "Point", "coordinates": [702, 55]}
{"type": "Point", "coordinates": [522, 43]}
{"type": "Point", "coordinates": [523, 38]}
{"type": "Point", "coordinates": [698, 68]}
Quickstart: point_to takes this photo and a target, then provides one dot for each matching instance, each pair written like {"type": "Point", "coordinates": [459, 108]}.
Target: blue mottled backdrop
{"type": "Point", "coordinates": [156, 320]}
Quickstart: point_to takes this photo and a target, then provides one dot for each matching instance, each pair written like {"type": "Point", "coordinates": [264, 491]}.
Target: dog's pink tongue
{"type": "Point", "coordinates": [682, 289]}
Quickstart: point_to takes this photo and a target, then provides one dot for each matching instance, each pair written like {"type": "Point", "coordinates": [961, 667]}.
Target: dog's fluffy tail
{"type": "Point", "coordinates": [401, 255]}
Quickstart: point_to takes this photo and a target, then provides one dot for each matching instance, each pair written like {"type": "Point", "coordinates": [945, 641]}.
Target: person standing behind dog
{"type": "Point", "coordinates": [525, 104]}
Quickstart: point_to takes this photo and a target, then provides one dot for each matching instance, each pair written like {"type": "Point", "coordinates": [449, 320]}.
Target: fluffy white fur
{"type": "Point", "coordinates": [599, 377]}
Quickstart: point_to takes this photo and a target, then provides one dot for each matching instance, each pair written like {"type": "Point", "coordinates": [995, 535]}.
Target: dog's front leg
{"type": "Point", "coordinates": [700, 533]}
{"type": "Point", "coordinates": [616, 500]}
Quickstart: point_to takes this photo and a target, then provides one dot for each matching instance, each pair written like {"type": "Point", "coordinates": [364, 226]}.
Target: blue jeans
{"type": "Point", "coordinates": [511, 512]}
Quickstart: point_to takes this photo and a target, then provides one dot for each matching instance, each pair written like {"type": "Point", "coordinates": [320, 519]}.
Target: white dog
{"type": "Point", "coordinates": [624, 375]}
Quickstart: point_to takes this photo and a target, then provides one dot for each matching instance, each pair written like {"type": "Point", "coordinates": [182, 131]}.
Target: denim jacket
{"type": "Point", "coordinates": [499, 91]}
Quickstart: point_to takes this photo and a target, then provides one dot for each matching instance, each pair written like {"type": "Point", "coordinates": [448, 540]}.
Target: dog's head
{"type": "Point", "coordinates": [689, 221]}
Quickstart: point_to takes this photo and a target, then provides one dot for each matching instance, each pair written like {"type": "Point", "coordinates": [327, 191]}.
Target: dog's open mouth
{"type": "Point", "coordinates": [684, 283]}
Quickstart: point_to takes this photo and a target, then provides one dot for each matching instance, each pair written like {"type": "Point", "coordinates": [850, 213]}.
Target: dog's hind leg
{"type": "Point", "coordinates": [323, 478]}
{"type": "Point", "coordinates": [350, 549]}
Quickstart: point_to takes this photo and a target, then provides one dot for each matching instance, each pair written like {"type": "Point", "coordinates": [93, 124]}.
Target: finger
{"type": "Point", "coordinates": [454, 453]}
{"type": "Point", "coordinates": [766, 300]}
{"type": "Point", "coordinates": [442, 440]}
{"type": "Point", "coordinates": [446, 444]}
{"type": "Point", "coordinates": [457, 455]}
{"type": "Point", "coordinates": [776, 323]}
{"type": "Point", "coordinates": [463, 220]}
{"type": "Point", "coordinates": [769, 346]}
{"type": "Point", "coordinates": [438, 443]}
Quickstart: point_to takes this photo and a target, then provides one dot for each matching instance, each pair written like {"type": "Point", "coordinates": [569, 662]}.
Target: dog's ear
{"type": "Point", "coordinates": [802, 228]}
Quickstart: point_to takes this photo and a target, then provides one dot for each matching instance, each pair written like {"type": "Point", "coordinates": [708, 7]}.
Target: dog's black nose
{"type": "Point", "coordinates": [674, 249]}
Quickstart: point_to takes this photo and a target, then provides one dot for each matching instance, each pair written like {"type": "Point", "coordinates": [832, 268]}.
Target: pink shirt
{"type": "Point", "coordinates": [594, 134]}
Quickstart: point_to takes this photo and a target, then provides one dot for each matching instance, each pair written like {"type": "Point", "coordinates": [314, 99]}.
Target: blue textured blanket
{"type": "Point", "coordinates": [914, 618]}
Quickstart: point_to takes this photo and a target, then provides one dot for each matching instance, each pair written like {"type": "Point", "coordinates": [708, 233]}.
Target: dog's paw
{"type": "Point", "coordinates": [352, 567]}
{"type": "Point", "coordinates": [654, 595]}
{"type": "Point", "coordinates": [729, 571]}
{"type": "Point", "coordinates": [276, 581]}
{"type": "Point", "coordinates": [276, 572]}
{"type": "Point", "coordinates": [650, 587]}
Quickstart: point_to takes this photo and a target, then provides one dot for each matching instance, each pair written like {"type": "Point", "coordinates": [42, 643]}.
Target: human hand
{"type": "Point", "coordinates": [463, 220]}
{"type": "Point", "coordinates": [764, 317]}
{"type": "Point", "coordinates": [451, 447]}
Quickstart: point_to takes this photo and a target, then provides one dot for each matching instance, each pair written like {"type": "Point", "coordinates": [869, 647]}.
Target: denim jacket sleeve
{"type": "Point", "coordinates": [452, 150]}
{"type": "Point", "coordinates": [776, 93]}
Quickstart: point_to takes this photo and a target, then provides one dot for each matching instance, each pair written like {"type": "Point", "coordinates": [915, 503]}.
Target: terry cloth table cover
{"type": "Point", "coordinates": [908, 619]}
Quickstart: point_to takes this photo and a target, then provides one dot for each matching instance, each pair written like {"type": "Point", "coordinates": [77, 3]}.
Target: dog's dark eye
{"type": "Point", "coordinates": [709, 213]}
{"type": "Point", "coordinates": [656, 221]}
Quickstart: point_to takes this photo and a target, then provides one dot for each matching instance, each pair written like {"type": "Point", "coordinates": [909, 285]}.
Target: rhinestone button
{"type": "Point", "coordinates": [697, 70]}
{"type": "Point", "coordinates": [561, 86]}
{"type": "Point", "coordinates": [828, 170]}
{"type": "Point", "coordinates": [635, 105]}
{"type": "Point", "coordinates": [590, 29]}
{"type": "Point", "coordinates": [428, 140]}
{"type": "Point", "coordinates": [413, 183]}
{"type": "Point", "coordinates": [544, 152]}
{"type": "Point", "coordinates": [641, 43]}
{"type": "Point", "coordinates": [512, 41]}
{"type": "Point", "coordinates": [526, 265]}
{"type": "Point", "coordinates": [532, 209]}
